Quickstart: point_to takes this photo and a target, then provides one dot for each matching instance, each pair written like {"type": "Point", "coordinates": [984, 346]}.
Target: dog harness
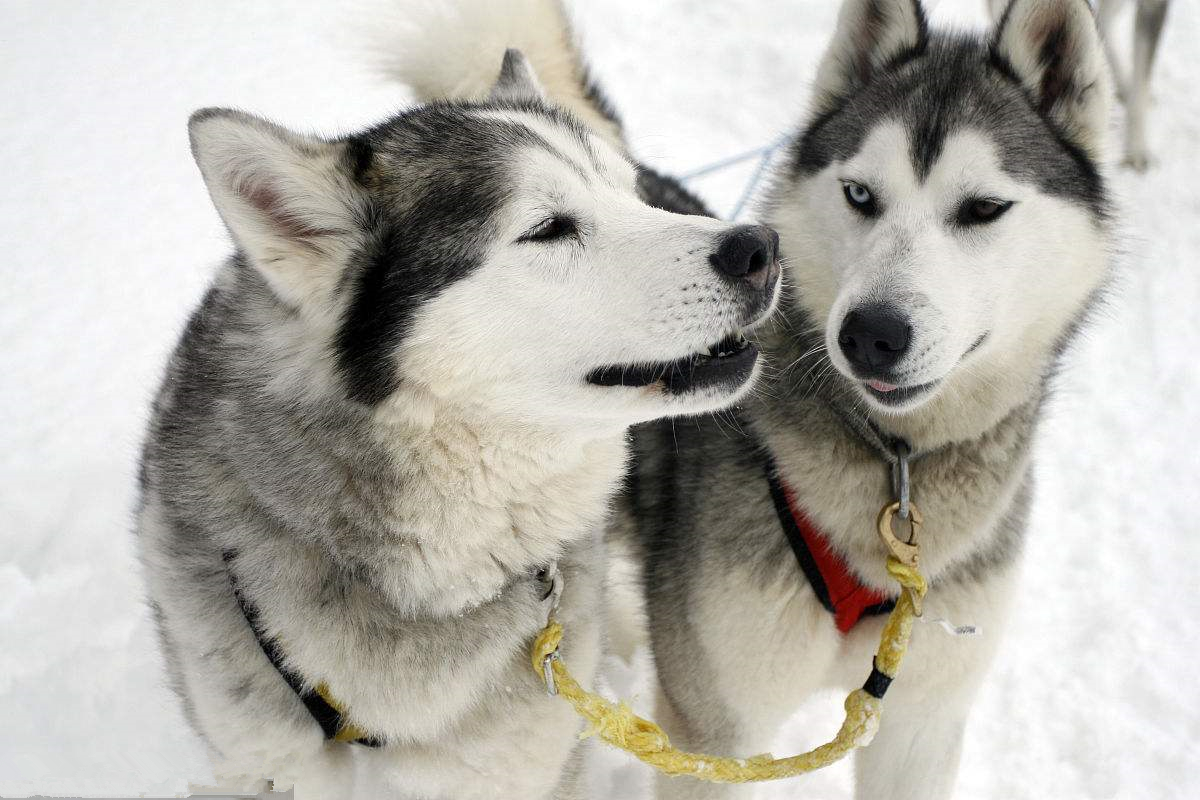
{"type": "Point", "coordinates": [832, 581]}
{"type": "Point", "coordinates": [317, 699]}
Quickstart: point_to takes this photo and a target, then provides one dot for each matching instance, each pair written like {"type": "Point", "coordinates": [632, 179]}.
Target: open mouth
{"type": "Point", "coordinates": [725, 365]}
{"type": "Point", "coordinates": [892, 395]}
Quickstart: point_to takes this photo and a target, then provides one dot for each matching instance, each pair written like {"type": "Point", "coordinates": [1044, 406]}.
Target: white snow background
{"type": "Point", "coordinates": [109, 240]}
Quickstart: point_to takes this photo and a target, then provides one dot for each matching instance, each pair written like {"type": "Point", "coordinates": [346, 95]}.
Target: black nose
{"type": "Point", "coordinates": [873, 338]}
{"type": "Point", "coordinates": [748, 253]}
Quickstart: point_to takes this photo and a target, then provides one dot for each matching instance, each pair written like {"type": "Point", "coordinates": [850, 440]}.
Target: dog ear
{"type": "Point", "coordinates": [870, 34]}
{"type": "Point", "coordinates": [517, 82]}
{"type": "Point", "coordinates": [1053, 48]}
{"type": "Point", "coordinates": [287, 199]}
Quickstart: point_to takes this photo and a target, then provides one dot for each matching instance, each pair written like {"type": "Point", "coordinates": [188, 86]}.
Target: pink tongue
{"type": "Point", "coordinates": [880, 386]}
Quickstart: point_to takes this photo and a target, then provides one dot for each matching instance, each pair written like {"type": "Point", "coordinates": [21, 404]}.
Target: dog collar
{"type": "Point", "coordinates": [835, 585]}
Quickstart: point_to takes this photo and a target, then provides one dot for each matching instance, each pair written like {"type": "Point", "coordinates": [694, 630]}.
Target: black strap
{"type": "Point", "coordinates": [787, 521]}
{"type": "Point", "coordinates": [328, 717]}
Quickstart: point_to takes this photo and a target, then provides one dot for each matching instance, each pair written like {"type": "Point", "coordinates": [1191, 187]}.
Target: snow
{"type": "Point", "coordinates": [111, 240]}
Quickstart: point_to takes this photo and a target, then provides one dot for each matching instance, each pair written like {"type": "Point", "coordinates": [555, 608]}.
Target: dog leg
{"type": "Point", "coordinates": [1151, 14]}
{"type": "Point", "coordinates": [1106, 12]}
{"type": "Point", "coordinates": [697, 736]}
{"type": "Point", "coordinates": [915, 754]}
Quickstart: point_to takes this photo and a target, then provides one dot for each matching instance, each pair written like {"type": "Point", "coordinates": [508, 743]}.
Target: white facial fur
{"type": "Point", "coordinates": [636, 286]}
{"type": "Point", "coordinates": [520, 334]}
{"type": "Point", "coordinates": [1012, 281]}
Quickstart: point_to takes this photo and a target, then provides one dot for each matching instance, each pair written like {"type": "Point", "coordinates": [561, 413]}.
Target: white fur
{"type": "Point", "coordinates": [452, 49]}
{"type": "Point", "coordinates": [637, 287]}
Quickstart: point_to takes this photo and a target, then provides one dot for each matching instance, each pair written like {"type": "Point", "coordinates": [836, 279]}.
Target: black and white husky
{"type": "Point", "coordinates": [403, 399]}
{"type": "Point", "coordinates": [945, 227]}
{"type": "Point", "coordinates": [945, 223]}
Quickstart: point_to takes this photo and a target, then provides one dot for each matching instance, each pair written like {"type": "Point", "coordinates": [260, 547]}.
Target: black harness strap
{"type": "Point", "coordinates": [804, 556]}
{"type": "Point", "coordinates": [328, 717]}
{"type": "Point", "coordinates": [808, 563]}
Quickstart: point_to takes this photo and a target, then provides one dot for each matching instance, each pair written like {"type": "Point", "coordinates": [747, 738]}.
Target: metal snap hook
{"type": "Point", "coordinates": [904, 550]}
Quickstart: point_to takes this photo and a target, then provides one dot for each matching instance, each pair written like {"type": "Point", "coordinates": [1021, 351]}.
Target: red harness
{"type": "Point", "coordinates": [836, 586]}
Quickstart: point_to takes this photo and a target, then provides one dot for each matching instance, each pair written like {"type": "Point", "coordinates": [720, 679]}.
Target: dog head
{"type": "Point", "coordinates": [943, 208]}
{"type": "Point", "coordinates": [494, 254]}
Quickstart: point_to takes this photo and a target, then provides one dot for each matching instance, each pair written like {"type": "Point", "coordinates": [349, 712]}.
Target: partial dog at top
{"type": "Point", "coordinates": [400, 408]}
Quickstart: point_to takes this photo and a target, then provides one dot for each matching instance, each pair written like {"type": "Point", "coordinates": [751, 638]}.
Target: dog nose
{"type": "Point", "coordinates": [748, 253]}
{"type": "Point", "coordinates": [873, 338]}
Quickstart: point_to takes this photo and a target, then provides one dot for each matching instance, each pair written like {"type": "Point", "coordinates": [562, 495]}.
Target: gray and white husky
{"type": "Point", "coordinates": [945, 226]}
{"type": "Point", "coordinates": [403, 401]}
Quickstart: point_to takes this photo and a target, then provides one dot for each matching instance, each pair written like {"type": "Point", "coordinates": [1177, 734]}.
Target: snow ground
{"type": "Point", "coordinates": [112, 239]}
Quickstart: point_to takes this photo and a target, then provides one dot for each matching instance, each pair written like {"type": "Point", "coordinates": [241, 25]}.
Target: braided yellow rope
{"type": "Point", "coordinates": [616, 724]}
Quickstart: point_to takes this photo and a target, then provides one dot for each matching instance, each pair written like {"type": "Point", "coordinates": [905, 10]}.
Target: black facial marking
{"type": "Point", "coordinates": [958, 82]}
{"type": "Point", "coordinates": [434, 179]}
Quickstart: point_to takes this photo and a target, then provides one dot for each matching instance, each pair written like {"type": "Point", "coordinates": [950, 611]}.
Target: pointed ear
{"type": "Point", "coordinates": [517, 82]}
{"type": "Point", "coordinates": [1053, 49]}
{"type": "Point", "coordinates": [870, 34]}
{"type": "Point", "coordinates": [287, 199]}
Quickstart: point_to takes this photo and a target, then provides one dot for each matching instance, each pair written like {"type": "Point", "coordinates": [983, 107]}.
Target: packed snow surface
{"type": "Point", "coordinates": [110, 240]}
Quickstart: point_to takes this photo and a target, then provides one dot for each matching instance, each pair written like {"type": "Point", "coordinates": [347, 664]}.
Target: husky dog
{"type": "Point", "coordinates": [945, 226]}
{"type": "Point", "coordinates": [403, 405]}
{"type": "Point", "coordinates": [1134, 88]}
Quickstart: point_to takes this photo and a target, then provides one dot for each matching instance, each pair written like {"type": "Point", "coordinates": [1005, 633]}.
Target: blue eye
{"type": "Point", "coordinates": [860, 198]}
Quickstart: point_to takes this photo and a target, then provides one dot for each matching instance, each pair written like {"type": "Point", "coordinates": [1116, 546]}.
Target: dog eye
{"type": "Point", "coordinates": [981, 211]}
{"type": "Point", "coordinates": [859, 197]}
{"type": "Point", "coordinates": [550, 229]}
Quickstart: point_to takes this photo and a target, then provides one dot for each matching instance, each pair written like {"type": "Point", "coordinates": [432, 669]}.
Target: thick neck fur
{"type": "Point", "coordinates": [974, 446]}
{"type": "Point", "coordinates": [488, 497]}
{"type": "Point", "coordinates": [437, 504]}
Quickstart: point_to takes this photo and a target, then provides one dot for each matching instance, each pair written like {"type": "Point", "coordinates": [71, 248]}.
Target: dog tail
{"type": "Point", "coordinates": [452, 49]}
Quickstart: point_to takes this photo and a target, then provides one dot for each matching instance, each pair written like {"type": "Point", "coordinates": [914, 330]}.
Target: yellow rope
{"type": "Point", "coordinates": [616, 724]}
